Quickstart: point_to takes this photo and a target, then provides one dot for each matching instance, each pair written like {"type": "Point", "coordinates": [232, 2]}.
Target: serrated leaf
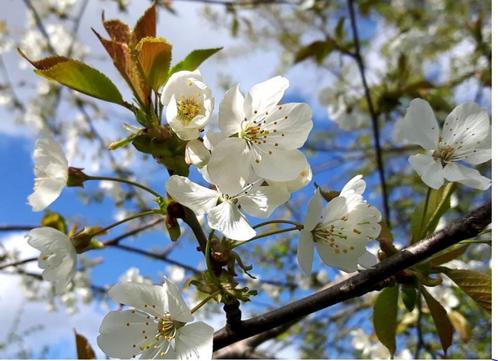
{"type": "Point", "coordinates": [193, 60]}
{"type": "Point", "coordinates": [426, 216]}
{"type": "Point", "coordinates": [78, 76]}
{"type": "Point", "coordinates": [154, 56]}
{"type": "Point", "coordinates": [146, 25]}
{"type": "Point", "coordinates": [475, 284]}
{"type": "Point", "coordinates": [54, 220]}
{"type": "Point", "coordinates": [444, 327]}
{"type": "Point", "coordinates": [117, 30]}
{"type": "Point", "coordinates": [83, 348]}
{"type": "Point", "coordinates": [448, 254]}
{"type": "Point", "coordinates": [385, 317]}
{"type": "Point", "coordinates": [409, 296]}
{"type": "Point", "coordinates": [318, 50]}
{"type": "Point", "coordinates": [461, 325]}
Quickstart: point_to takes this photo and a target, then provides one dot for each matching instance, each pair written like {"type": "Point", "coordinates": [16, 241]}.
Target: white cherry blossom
{"type": "Point", "coordinates": [57, 257]}
{"type": "Point", "coordinates": [464, 138]}
{"type": "Point", "coordinates": [196, 153]}
{"type": "Point", "coordinates": [51, 173]}
{"type": "Point", "coordinates": [158, 325]}
{"type": "Point", "coordinates": [188, 103]}
{"type": "Point", "coordinates": [343, 232]}
{"type": "Point", "coordinates": [260, 136]}
{"type": "Point", "coordinates": [224, 211]}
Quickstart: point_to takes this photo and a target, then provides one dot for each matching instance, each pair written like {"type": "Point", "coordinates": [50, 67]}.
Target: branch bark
{"type": "Point", "coordinates": [360, 283]}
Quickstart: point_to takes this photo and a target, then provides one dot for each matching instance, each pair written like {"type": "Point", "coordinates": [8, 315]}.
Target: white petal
{"type": "Point", "coordinates": [227, 219]}
{"type": "Point", "coordinates": [281, 165]}
{"type": "Point", "coordinates": [195, 341]}
{"type": "Point", "coordinates": [176, 305]}
{"type": "Point", "coordinates": [229, 166]}
{"type": "Point", "coordinates": [427, 168]}
{"type": "Point", "coordinates": [265, 95]}
{"type": "Point", "coordinates": [455, 172]}
{"type": "Point", "coordinates": [301, 181]}
{"type": "Point", "coordinates": [348, 262]}
{"type": "Point", "coordinates": [305, 251]}
{"type": "Point", "coordinates": [336, 209]}
{"type": "Point", "coordinates": [231, 111]}
{"type": "Point", "coordinates": [122, 333]}
{"type": "Point", "coordinates": [367, 260]}
{"type": "Point", "coordinates": [196, 153]}
{"type": "Point", "coordinates": [211, 139]}
{"type": "Point", "coordinates": [198, 198]}
{"type": "Point", "coordinates": [466, 125]}
{"type": "Point", "coordinates": [289, 125]}
{"type": "Point", "coordinates": [419, 126]}
{"type": "Point", "coordinates": [173, 83]}
{"type": "Point", "coordinates": [314, 212]}
{"type": "Point", "coordinates": [148, 298]}
{"type": "Point", "coordinates": [356, 185]}
{"type": "Point", "coordinates": [477, 156]}
{"type": "Point", "coordinates": [260, 201]}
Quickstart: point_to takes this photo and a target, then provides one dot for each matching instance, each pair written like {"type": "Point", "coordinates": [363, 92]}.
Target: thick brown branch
{"type": "Point", "coordinates": [363, 282]}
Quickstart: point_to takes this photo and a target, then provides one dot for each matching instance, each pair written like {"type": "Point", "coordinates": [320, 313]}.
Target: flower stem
{"type": "Point", "coordinates": [278, 221]}
{"type": "Point", "coordinates": [127, 219]}
{"type": "Point", "coordinates": [204, 301]}
{"type": "Point", "coordinates": [266, 234]}
{"type": "Point", "coordinates": [119, 180]}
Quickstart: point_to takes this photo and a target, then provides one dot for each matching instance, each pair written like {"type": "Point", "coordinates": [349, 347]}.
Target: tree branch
{"type": "Point", "coordinates": [373, 114]}
{"type": "Point", "coordinates": [360, 283]}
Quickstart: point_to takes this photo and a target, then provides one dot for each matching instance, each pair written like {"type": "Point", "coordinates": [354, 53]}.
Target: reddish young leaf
{"type": "Point", "coordinates": [146, 25]}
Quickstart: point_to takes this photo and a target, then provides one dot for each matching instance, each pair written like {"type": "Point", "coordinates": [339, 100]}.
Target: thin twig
{"type": "Point", "coordinates": [373, 114]}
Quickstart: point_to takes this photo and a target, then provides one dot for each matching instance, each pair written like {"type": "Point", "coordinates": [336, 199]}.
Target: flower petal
{"type": "Point", "coordinates": [196, 153]}
{"type": "Point", "coordinates": [231, 111]}
{"type": "Point", "coordinates": [260, 201]}
{"type": "Point", "coordinates": [230, 166]}
{"type": "Point", "coordinates": [367, 260]}
{"type": "Point", "coordinates": [144, 297]}
{"type": "Point", "coordinates": [356, 185]}
{"type": "Point", "coordinates": [282, 165]}
{"type": "Point", "coordinates": [176, 305]}
{"type": "Point", "coordinates": [336, 209]}
{"type": "Point", "coordinates": [305, 250]}
{"type": "Point", "coordinates": [227, 219]}
{"type": "Point", "coordinates": [265, 95]}
{"type": "Point", "coordinates": [123, 333]}
{"type": "Point", "coordinates": [314, 212]}
{"type": "Point", "coordinates": [455, 172]}
{"type": "Point", "coordinates": [198, 198]}
{"type": "Point", "coordinates": [195, 341]}
{"type": "Point", "coordinates": [335, 257]}
{"type": "Point", "coordinates": [427, 168]}
{"type": "Point", "coordinates": [419, 126]}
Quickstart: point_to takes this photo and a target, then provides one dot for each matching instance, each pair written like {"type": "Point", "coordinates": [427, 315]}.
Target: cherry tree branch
{"type": "Point", "coordinates": [360, 283]}
{"type": "Point", "coordinates": [373, 114]}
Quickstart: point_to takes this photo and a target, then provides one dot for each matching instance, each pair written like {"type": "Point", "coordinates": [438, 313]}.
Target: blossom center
{"type": "Point", "coordinates": [444, 153]}
{"type": "Point", "coordinates": [188, 109]}
{"type": "Point", "coordinates": [167, 328]}
{"type": "Point", "coordinates": [253, 133]}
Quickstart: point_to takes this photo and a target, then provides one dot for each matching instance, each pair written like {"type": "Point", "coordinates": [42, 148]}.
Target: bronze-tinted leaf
{"type": "Point", "coordinates": [78, 76]}
{"type": "Point", "coordinates": [385, 317]}
{"type": "Point", "coordinates": [154, 56]}
{"type": "Point", "coordinates": [54, 220]}
{"type": "Point", "coordinates": [461, 325]}
{"type": "Point", "coordinates": [146, 25]}
{"type": "Point", "coordinates": [475, 284]}
{"type": "Point", "coordinates": [443, 325]}
{"type": "Point", "coordinates": [83, 348]}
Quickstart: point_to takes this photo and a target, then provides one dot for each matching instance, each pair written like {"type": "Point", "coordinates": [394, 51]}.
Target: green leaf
{"type": "Point", "coordinates": [318, 50]}
{"type": "Point", "coordinates": [385, 314]}
{"type": "Point", "coordinates": [461, 325]}
{"type": "Point", "coordinates": [54, 220]}
{"type": "Point", "coordinates": [193, 60]}
{"type": "Point", "coordinates": [448, 254]}
{"type": "Point", "coordinates": [409, 296]}
{"type": "Point", "coordinates": [78, 76]}
{"type": "Point", "coordinates": [475, 284]}
{"type": "Point", "coordinates": [427, 214]}
{"type": "Point", "coordinates": [83, 348]}
{"type": "Point", "coordinates": [339, 28]}
{"type": "Point", "coordinates": [173, 227]}
{"type": "Point", "coordinates": [154, 56]}
{"type": "Point", "coordinates": [443, 325]}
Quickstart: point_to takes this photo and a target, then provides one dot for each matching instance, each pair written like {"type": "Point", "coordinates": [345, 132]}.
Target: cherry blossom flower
{"type": "Point", "coordinates": [51, 173]}
{"type": "Point", "coordinates": [464, 138]}
{"type": "Point", "coordinates": [260, 136]}
{"type": "Point", "coordinates": [57, 257]}
{"type": "Point", "coordinates": [224, 211]}
{"type": "Point", "coordinates": [343, 232]}
{"type": "Point", "coordinates": [188, 103]}
{"type": "Point", "coordinates": [158, 325]}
